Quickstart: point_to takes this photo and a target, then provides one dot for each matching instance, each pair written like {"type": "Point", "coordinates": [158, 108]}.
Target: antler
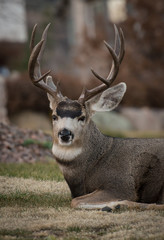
{"type": "Point", "coordinates": [117, 59]}
{"type": "Point", "coordinates": [39, 80]}
{"type": "Point", "coordinates": [34, 64]}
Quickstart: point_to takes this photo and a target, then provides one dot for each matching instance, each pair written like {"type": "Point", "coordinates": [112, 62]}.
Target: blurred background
{"type": "Point", "coordinates": [74, 45]}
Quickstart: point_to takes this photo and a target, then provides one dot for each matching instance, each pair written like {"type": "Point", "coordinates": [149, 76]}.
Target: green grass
{"type": "Point", "coordinates": [74, 229]}
{"type": "Point", "coordinates": [39, 171]}
{"type": "Point", "coordinates": [45, 144]}
{"type": "Point", "coordinates": [15, 234]}
{"type": "Point", "coordinates": [29, 199]}
{"type": "Point", "coordinates": [134, 134]}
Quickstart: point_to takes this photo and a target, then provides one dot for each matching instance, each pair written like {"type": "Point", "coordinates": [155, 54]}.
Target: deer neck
{"type": "Point", "coordinates": [94, 145]}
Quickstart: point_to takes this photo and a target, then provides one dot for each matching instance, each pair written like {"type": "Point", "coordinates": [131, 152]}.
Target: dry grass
{"type": "Point", "coordinates": [46, 221]}
{"type": "Point", "coordinates": [49, 221]}
{"type": "Point", "coordinates": [13, 185]}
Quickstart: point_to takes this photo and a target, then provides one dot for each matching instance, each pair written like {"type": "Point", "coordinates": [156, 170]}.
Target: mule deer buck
{"type": "Point", "coordinates": [100, 170]}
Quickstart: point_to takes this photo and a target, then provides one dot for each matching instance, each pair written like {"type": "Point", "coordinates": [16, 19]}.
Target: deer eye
{"type": "Point", "coordinates": [81, 118]}
{"type": "Point", "coordinates": [54, 117]}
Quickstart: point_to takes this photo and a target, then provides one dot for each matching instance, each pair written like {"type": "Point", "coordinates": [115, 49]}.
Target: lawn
{"type": "Point", "coordinates": [35, 204]}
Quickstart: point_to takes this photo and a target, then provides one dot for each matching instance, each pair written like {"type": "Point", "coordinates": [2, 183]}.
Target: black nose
{"type": "Point", "coordinates": [65, 135]}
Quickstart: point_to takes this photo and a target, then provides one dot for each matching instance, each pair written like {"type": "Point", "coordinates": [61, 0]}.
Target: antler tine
{"type": "Point", "coordinates": [83, 95]}
{"type": "Point", "coordinates": [33, 37]}
{"type": "Point", "coordinates": [115, 65]}
{"type": "Point", "coordinates": [122, 52]}
{"type": "Point", "coordinates": [116, 42]}
{"type": "Point", "coordinates": [117, 59]}
{"type": "Point", "coordinates": [114, 56]}
{"type": "Point", "coordinates": [44, 37]}
{"type": "Point", "coordinates": [31, 69]}
{"type": "Point", "coordinates": [34, 62]}
{"type": "Point", "coordinates": [58, 89]}
{"type": "Point", "coordinates": [116, 37]}
{"type": "Point", "coordinates": [33, 59]}
{"type": "Point", "coordinates": [99, 77]}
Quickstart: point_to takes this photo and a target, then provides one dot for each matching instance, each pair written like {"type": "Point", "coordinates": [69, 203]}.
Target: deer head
{"type": "Point", "coordinates": [71, 117]}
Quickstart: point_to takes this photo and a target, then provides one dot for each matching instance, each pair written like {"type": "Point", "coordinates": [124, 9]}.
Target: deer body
{"type": "Point", "coordinates": [100, 170]}
{"type": "Point", "coordinates": [130, 169]}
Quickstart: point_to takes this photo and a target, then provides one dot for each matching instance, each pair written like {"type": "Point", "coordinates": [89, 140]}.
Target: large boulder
{"type": "Point", "coordinates": [145, 119]}
{"type": "Point", "coordinates": [112, 121]}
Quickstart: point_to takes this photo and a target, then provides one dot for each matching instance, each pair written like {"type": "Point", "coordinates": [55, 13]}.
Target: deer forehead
{"type": "Point", "coordinates": [69, 109]}
{"type": "Point", "coordinates": [68, 112]}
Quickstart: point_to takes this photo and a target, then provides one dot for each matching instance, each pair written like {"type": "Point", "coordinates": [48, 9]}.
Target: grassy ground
{"type": "Point", "coordinates": [35, 204]}
{"type": "Point", "coordinates": [38, 171]}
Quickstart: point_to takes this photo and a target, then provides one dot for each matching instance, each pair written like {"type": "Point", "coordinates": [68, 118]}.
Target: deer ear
{"type": "Point", "coordinates": [51, 84]}
{"type": "Point", "coordinates": [109, 99]}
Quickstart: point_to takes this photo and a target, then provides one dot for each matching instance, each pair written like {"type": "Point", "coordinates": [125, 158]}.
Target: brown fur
{"type": "Point", "coordinates": [112, 169]}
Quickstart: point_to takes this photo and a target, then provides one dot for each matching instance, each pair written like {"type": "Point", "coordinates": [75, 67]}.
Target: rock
{"type": "Point", "coordinates": [14, 147]}
{"type": "Point", "coordinates": [112, 121]}
{"type": "Point", "coordinates": [32, 120]}
{"type": "Point", "coordinates": [145, 119]}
